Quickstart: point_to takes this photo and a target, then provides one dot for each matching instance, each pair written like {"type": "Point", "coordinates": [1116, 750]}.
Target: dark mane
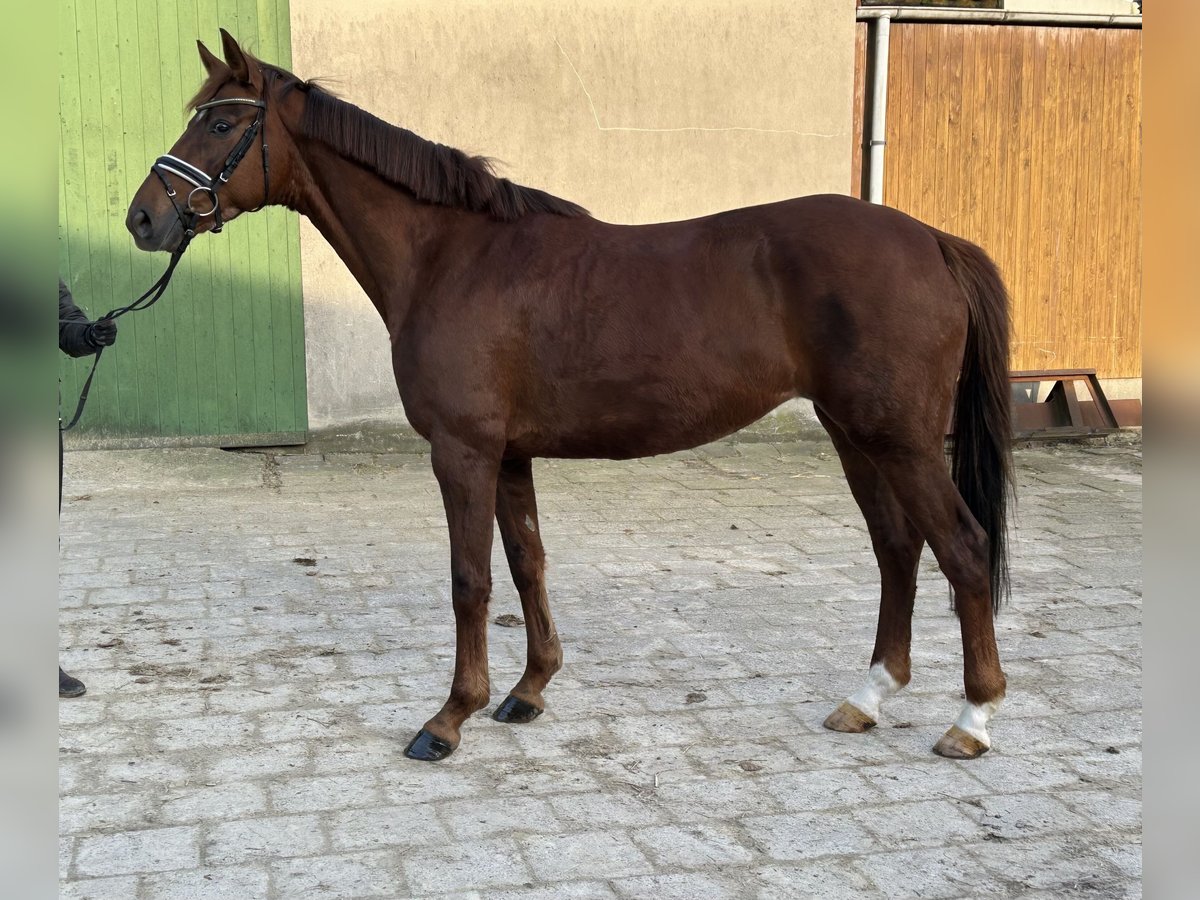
{"type": "Point", "coordinates": [433, 172]}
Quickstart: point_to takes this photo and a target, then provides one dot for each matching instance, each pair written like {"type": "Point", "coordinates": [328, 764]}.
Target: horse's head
{"type": "Point", "coordinates": [230, 159]}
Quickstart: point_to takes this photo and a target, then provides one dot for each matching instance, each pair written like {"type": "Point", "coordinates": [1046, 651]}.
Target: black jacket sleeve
{"type": "Point", "coordinates": [72, 325]}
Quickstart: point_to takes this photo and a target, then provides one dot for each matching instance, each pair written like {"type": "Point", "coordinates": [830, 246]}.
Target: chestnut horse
{"type": "Point", "coordinates": [522, 327]}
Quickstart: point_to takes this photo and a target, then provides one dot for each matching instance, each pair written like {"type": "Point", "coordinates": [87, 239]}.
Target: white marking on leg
{"type": "Point", "coordinates": [974, 719]}
{"type": "Point", "coordinates": [879, 685]}
{"type": "Point", "coordinates": [529, 523]}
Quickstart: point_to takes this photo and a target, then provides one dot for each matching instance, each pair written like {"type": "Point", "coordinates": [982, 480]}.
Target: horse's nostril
{"type": "Point", "coordinates": [142, 226]}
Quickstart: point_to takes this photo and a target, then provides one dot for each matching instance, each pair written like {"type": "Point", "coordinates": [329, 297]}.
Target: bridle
{"type": "Point", "coordinates": [202, 183]}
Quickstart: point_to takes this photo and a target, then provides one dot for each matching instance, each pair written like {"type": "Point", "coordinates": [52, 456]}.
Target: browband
{"type": "Point", "coordinates": [245, 101]}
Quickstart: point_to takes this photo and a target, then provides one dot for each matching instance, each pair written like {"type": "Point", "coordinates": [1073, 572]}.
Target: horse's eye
{"type": "Point", "coordinates": [220, 127]}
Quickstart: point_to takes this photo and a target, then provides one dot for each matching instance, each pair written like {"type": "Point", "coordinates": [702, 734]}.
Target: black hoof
{"type": "Point", "coordinates": [515, 711]}
{"type": "Point", "coordinates": [427, 748]}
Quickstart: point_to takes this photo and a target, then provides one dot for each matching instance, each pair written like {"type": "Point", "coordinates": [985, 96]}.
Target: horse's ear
{"type": "Point", "coordinates": [237, 59]}
{"type": "Point", "coordinates": [212, 63]}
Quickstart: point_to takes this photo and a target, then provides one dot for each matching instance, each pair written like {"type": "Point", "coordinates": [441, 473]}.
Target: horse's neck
{"type": "Point", "coordinates": [380, 232]}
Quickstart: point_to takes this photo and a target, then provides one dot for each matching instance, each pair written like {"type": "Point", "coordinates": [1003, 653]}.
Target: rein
{"type": "Point", "coordinates": [203, 183]}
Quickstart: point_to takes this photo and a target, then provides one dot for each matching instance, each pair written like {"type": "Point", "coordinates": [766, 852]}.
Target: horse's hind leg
{"type": "Point", "coordinates": [929, 498]}
{"type": "Point", "coordinates": [897, 547]}
{"type": "Point", "coordinates": [516, 514]}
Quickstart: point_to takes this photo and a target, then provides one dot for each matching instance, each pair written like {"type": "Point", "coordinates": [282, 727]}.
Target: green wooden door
{"type": "Point", "coordinates": [219, 360]}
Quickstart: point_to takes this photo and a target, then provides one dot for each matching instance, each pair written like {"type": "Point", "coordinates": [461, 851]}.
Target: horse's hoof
{"type": "Point", "coordinates": [427, 747]}
{"type": "Point", "coordinates": [515, 711]}
{"type": "Point", "coordinates": [957, 744]}
{"type": "Point", "coordinates": [849, 718]}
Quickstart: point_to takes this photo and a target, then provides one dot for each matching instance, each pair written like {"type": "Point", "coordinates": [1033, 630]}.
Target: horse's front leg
{"type": "Point", "coordinates": [467, 477]}
{"type": "Point", "coordinates": [516, 513]}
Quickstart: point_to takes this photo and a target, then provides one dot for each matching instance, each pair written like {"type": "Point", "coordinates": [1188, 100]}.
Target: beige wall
{"type": "Point", "coordinates": [641, 110]}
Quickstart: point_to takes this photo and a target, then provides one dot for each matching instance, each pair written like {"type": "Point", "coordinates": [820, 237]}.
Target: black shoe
{"type": "Point", "coordinates": [68, 686]}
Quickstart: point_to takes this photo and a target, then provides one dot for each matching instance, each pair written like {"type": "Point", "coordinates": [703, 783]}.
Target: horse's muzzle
{"type": "Point", "coordinates": [148, 235]}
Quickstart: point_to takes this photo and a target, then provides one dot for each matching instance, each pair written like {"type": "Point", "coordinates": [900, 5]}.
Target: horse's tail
{"type": "Point", "coordinates": [981, 458]}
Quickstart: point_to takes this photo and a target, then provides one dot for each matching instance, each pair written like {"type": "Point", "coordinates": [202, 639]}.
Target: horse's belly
{"type": "Point", "coordinates": [698, 366]}
{"type": "Point", "coordinates": [636, 422]}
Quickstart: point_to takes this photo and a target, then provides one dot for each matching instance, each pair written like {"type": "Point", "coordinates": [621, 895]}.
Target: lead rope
{"type": "Point", "coordinates": [157, 290]}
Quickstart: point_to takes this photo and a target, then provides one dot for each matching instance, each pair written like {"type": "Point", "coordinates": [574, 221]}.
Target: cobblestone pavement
{"type": "Point", "coordinates": [262, 634]}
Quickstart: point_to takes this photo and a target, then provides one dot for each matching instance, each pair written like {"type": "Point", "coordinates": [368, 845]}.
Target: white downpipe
{"type": "Point", "coordinates": [879, 86]}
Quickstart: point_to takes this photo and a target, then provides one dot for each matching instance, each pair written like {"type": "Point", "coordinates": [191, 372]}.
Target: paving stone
{"type": "Point", "coordinates": [803, 791]}
{"type": "Point", "coordinates": [266, 838]}
{"type": "Point", "coordinates": [1001, 773]}
{"type": "Point", "coordinates": [215, 883]}
{"type": "Point", "coordinates": [1103, 766]}
{"type": "Point", "coordinates": [471, 865]}
{"type": "Point", "coordinates": [562, 890]}
{"type": "Point", "coordinates": [1104, 809]}
{"type": "Point", "coordinates": [258, 761]}
{"type": "Point", "coordinates": [386, 826]}
{"type": "Point", "coordinates": [324, 793]}
{"type": "Point", "coordinates": [107, 812]}
{"type": "Point", "coordinates": [203, 731]}
{"type": "Point", "coordinates": [480, 818]}
{"type": "Point", "coordinates": [543, 779]}
{"type": "Point", "coordinates": [913, 780]}
{"type": "Point", "coordinates": [1014, 816]}
{"type": "Point", "coordinates": [1121, 728]}
{"type": "Point", "coordinates": [831, 750]}
{"type": "Point", "coordinates": [612, 808]}
{"type": "Point", "coordinates": [593, 854]}
{"type": "Point", "coordinates": [131, 852]}
{"type": "Point", "coordinates": [1061, 866]}
{"type": "Point", "coordinates": [66, 851]}
{"type": "Point", "coordinates": [137, 708]}
{"type": "Point", "coordinates": [692, 846]}
{"type": "Point", "coordinates": [117, 888]}
{"type": "Point", "coordinates": [700, 799]}
{"type": "Point", "coordinates": [142, 772]}
{"type": "Point", "coordinates": [796, 836]}
{"type": "Point", "coordinates": [939, 872]}
{"type": "Point", "coordinates": [220, 802]}
{"type": "Point", "coordinates": [919, 823]}
{"type": "Point", "coordinates": [1127, 858]}
{"type": "Point", "coordinates": [374, 874]}
{"type": "Point", "coordinates": [682, 886]}
{"type": "Point", "coordinates": [833, 878]}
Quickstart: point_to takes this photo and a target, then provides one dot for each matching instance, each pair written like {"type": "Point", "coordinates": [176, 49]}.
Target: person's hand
{"type": "Point", "coordinates": [102, 333]}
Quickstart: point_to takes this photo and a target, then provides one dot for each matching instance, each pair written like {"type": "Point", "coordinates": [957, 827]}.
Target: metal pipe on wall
{"type": "Point", "coordinates": [879, 84]}
{"type": "Point", "coordinates": [995, 16]}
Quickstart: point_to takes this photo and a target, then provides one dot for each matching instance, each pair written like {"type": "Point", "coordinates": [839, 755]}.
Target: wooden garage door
{"type": "Point", "coordinates": [1027, 140]}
